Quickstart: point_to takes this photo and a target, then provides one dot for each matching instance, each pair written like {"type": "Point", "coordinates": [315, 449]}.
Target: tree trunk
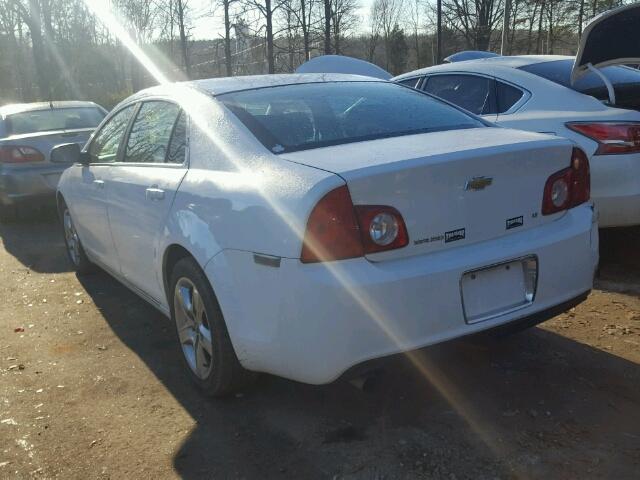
{"type": "Point", "coordinates": [227, 39]}
{"type": "Point", "coordinates": [305, 29]}
{"type": "Point", "coordinates": [136, 80]}
{"type": "Point", "coordinates": [550, 40]}
{"type": "Point", "coordinates": [269, 19]}
{"type": "Point", "coordinates": [505, 27]}
{"type": "Point", "coordinates": [417, 40]}
{"type": "Point", "coordinates": [539, 40]}
{"type": "Point", "coordinates": [580, 18]}
{"type": "Point", "coordinates": [183, 39]}
{"type": "Point", "coordinates": [32, 20]}
{"type": "Point", "coordinates": [439, 31]}
{"type": "Point", "coordinates": [327, 27]}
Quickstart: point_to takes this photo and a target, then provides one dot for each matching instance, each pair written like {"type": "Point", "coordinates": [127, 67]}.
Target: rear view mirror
{"type": "Point", "coordinates": [68, 153]}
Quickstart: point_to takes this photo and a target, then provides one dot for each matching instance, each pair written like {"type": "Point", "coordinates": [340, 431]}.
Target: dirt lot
{"type": "Point", "coordinates": [93, 388]}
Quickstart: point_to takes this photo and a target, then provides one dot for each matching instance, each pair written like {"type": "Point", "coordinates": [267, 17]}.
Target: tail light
{"type": "Point", "coordinates": [337, 230]}
{"type": "Point", "coordinates": [568, 188]}
{"type": "Point", "coordinates": [612, 137]}
{"type": "Point", "coordinates": [17, 154]}
{"type": "Point", "coordinates": [382, 228]}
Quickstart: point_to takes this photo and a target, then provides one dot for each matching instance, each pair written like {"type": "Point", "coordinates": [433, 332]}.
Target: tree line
{"type": "Point", "coordinates": [60, 49]}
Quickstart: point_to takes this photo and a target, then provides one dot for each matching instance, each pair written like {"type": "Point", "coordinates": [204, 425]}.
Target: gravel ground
{"type": "Point", "coordinates": [91, 386]}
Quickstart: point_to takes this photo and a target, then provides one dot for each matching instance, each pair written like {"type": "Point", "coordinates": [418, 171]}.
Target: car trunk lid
{"type": "Point", "coordinates": [452, 188]}
{"type": "Point", "coordinates": [343, 64]}
{"type": "Point", "coordinates": [611, 38]}
{"type": "Point", "coordinates": [45, 141]}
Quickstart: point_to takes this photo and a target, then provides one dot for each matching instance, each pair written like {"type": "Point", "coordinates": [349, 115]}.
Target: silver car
{"type": "Point", "coordinates": [28, 132]}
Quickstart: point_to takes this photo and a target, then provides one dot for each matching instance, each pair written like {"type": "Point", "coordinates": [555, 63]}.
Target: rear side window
{"type": "Point", "coordinates": [151, 131]}
{"type": "Point", "coordinates": [53, 119]}
{"type": "Point", "coordinates": [507, 96]}
{"type": "Point", "coordinates": [178, 144]}
{"type": "Point", "coordinates": [471, 92]}
{"type": "Point", "coordinates": [105, 144]}
{"type": "Point", "coordinates": [410, 82]}
{"type": "Point", "coordinates": [304, 116]}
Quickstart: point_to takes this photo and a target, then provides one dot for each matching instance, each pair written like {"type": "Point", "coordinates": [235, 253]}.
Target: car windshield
{"type": "Point", "coordinates": [305, 116]}
{"type": "Point", "coordinates": [34, 121]}
{"type": "Point", "coordinates": [559, 71]}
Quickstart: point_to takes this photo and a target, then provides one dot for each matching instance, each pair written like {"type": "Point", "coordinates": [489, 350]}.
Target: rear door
{"type": "Point", "coordinates": [474, 93]}
{"type": "Point", "coordinates": [142, 187]}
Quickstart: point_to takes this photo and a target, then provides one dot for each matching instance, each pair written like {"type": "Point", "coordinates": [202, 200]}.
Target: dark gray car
{"type": "Point", "coordinates": [28, 132]}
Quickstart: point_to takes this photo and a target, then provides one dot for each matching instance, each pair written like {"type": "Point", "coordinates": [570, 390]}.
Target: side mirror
{"type": "Point", "coordinates": [69, 153]}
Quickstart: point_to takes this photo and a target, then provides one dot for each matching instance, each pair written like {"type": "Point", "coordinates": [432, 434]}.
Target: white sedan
{"type": "Point", "coordinates": [303, 224]}
{"type": "Point", "coordinates": [563, 96]}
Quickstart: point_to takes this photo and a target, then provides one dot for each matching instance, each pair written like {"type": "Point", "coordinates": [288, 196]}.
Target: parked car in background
{"type": "Point", "coordinates": [28, 132]}
{"type": "Point", "coordinates": [469, 55]}
{"type": "Point", "coordinates": [565, 96]}
{"type": "Point", "coordinates": [302, 224]}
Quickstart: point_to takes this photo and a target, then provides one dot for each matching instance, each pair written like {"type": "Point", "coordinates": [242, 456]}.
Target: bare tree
{"type": "Point", "coordinates": [415, 22]}
{"type": "Point", "coordinates": [10, 26]}
{"type": "Point", "coordinates": [327, 26]}
{"type": "Point", "coordinates": [267, 9]}
{"type": "Point", "coordinates": [226, 8]}
{"type": "Point", "coordinates": [474, 19]}
{"type": "Point", "coordinates": [140, 16]}
{"type": "Point", "coordinates": [343, 21]}
{"type": "Point", "coordinates": [181, 7]}
{"type": "Point", "coordinates": [387, 14]}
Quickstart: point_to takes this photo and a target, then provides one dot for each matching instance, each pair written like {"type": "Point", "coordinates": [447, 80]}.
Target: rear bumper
{"type": "Point", "coordinates": [28, 185]}
{"type": "Point", "coordinates": [499, 331]}
{"type": "Point", "coordinates": [615, 189]}
{"type": "Point", "coordinates": [313, 322]}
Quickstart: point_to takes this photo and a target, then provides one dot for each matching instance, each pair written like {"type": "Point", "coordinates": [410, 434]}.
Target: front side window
{"type": "Point", "coordinates": [104, 147]}
{"type": "Point", "coordinates": [298, 117]}
{"type": "Point", "coordinates": [53, 119]}
{"type": "Point", "coordinates": [471, 92]}
{"type": "Point", "coordinates": [151, 132]}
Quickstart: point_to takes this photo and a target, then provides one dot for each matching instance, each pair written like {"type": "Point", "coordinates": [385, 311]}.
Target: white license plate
{"type": "Point", "coordinates": [498, 289]}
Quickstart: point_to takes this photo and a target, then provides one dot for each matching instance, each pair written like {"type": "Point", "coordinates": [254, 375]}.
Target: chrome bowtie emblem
{"type": "Point", "coordinates": [478, 183]}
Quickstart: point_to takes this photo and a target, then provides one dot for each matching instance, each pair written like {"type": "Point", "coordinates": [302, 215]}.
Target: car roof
{"type": "Point", "coordinates": [515, 61]}
{"type": "Point", "coordinates": [222, 85]}
{"type": "Point", "coordinates": [30, 107]}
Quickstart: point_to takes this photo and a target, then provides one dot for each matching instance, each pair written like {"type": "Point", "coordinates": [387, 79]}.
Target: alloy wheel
{"type": "Point", "coordinates": [194, 331]}
{"type": "Point", "coordinates": [71, 237]}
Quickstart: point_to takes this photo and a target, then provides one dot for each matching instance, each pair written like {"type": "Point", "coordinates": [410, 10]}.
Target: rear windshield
{"type": "Point", "coordinates": [53, 119]}
{"type": "Point", "coordinates": [312, 115]}
{"type": "Point", "coordinates": [559, 71]}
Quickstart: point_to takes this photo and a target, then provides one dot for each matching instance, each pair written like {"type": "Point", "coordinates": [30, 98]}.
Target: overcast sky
{"type": "Point", "coordinates": [212, 27]}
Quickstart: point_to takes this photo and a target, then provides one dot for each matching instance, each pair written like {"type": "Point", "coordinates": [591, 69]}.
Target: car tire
{"type": "Point", "coordinates": [8, 213]}
{"type": "Point", "coordinates": [201, 331]}
{"type": "Point", "coordinates": [73, 245]}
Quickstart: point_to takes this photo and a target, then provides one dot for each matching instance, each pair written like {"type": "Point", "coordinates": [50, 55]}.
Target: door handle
{"type": "Point", "coordinates": [154, 193]}
{"type": "Point", "coordinates": [98, 183]}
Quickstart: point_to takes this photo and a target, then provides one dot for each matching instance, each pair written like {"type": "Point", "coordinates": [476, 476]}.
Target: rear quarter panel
{"type": "Point", "coordinates": [237, 195]}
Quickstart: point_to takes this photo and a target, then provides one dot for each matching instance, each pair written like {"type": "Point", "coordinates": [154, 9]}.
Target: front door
{"type": "Point", "coordinates": [88, 204]}
{"type": "Point", "coordinates": [141, 191]}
